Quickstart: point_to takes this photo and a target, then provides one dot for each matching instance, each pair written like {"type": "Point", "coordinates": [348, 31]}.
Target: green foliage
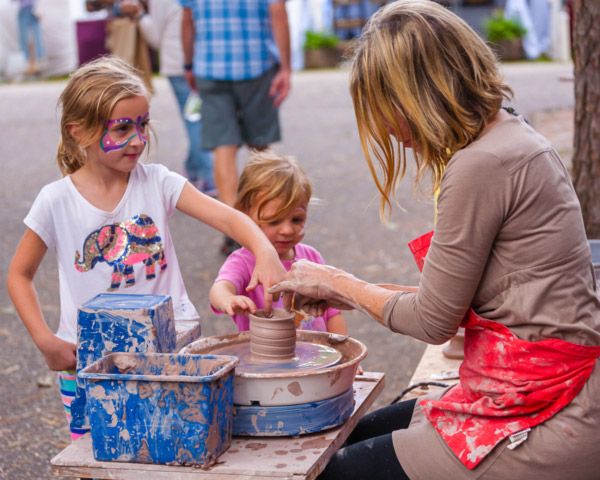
{"type": "Point", "coordinates": [317, 40]}
{"type": "Point", "coordinates": [498, 27]}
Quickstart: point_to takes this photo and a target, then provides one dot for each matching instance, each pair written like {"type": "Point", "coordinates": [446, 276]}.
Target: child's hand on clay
{"type": "Point", "coordinates": [59, 354]}
{"type": "Point", "coordinates": [268, 271]}
{"type": "Point", "coordinates": [238, 305]}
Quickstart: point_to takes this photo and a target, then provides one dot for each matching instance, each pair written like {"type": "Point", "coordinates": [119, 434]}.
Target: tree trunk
{"type": "Point", "coordinates": [586, 154]}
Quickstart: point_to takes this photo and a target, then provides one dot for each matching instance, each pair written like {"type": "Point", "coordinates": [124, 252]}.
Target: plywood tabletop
{"type": "Point", "coordinates": [433, 367]}
{"type": "Point", "coordinates": [248, 458]}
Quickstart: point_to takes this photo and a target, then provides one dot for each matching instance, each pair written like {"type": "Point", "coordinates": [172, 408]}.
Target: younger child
{"type": "Point", "coordinates": [107, 217]}
{"type": "Point", "coordinates": [274, 192]}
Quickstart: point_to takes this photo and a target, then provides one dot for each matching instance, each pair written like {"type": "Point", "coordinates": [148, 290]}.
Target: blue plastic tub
{"type": "Point", "coordinates": [160, 408]}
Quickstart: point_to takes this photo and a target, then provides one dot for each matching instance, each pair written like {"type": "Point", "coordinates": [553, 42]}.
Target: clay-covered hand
{"type": "Point", "coordinates": [238, 305]}
{"type": "Point", "coordinates": [313, 288]}
{"type": "Point", "coordinates": [59, 354]}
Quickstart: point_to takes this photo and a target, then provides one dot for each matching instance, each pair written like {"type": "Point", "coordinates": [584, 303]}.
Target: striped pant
{"type": "Point", "coordinates": [68, 382]}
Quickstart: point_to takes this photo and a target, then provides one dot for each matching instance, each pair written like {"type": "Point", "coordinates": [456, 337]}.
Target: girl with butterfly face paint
{"type": "Point", "coordinates": [110, 213]}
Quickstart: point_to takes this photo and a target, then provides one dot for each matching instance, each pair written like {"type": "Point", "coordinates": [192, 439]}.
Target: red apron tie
{"type": "Point", "coordinates": [506, 384]}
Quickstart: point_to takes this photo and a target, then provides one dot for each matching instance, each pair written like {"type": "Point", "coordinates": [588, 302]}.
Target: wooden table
{"type": "Point", "coordinates": [294, 458]}
{"type": "Point", "coordinates": [433, 367]}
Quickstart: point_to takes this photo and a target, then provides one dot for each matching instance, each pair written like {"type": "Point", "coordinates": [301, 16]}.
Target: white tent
{"type": "Point", "coordinates": [58, 22]}
{"type": "Point", "coordinates": [58, 32]}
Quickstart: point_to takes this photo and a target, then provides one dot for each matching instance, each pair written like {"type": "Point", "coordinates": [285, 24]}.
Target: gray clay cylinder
{"type": "Point", "coordinates": [273, 339]}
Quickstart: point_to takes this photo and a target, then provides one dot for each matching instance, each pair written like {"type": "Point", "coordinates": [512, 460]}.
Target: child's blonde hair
{"type": "Point", "coordinates": [87, 101]}
{"type": "Point", "coordinates": [268, 176]}
{"type": "Point", "coordinates": [417, 59]}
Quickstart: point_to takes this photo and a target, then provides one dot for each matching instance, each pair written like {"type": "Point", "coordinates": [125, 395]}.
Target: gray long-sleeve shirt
{"type": "Point", "coordinates": [510, 242]}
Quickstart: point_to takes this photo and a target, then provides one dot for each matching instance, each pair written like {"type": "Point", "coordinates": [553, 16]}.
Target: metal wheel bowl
{"type": "Point", "coordinates": [290, 387]}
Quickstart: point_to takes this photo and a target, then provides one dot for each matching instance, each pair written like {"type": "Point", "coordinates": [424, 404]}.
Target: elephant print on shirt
{"type": "Point", "coordinates": [122, 245]}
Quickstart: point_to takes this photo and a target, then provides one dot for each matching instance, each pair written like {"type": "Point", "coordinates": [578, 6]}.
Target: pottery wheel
{"type": "Point", "coordinates": [309, 356]}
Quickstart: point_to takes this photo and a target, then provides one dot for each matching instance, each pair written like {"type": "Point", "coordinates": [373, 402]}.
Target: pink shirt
{"type": "Point", "coordinates": [238, 270]}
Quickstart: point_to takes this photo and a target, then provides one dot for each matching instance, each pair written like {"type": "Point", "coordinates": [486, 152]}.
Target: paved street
{"type": "Point", "coordinates": [319, 129]}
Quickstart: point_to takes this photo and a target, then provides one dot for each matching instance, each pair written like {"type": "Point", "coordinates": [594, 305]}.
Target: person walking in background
{"type": "Point", "coordinates": [30, 37]}
{"type": "Point", "coordinates": [237, 54]}
{"type": "Point", "coordinates": [123, 36]}
{"type": "Point", "coordinates": [160, 24]}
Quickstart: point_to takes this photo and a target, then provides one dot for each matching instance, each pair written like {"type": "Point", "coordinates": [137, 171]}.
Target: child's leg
{"type": "Point", "coordinates": [68, 383]}
{"type": "Point", "coordinates": [199, 164]}
{"type": "Point", "coordinates": [23, 20]}
{"type": "Point", "coordinates": [38, 40]}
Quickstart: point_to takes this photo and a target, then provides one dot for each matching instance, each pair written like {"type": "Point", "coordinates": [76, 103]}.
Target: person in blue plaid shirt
{"type": "Point", "coordinates": [237, 55]}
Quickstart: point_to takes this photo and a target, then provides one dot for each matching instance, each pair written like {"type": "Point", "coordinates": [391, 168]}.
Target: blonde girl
{"type": "Point", "coordinates": [275, 192]}
{"type": "Point", "coordinates": [107, 218]}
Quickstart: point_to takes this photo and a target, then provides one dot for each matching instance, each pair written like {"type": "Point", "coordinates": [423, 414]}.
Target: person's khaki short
{"type": "Point", "coordinates": [234, 113]}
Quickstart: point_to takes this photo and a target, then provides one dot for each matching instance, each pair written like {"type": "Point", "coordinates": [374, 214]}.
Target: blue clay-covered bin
{"type": "Point", "coordinates": [114, 322]}
{"type": "Point", "coordinates": [160, 408]}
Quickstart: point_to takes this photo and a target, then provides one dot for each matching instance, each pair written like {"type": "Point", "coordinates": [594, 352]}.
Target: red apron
{"type": "Point", "coordinates": [506, 384]}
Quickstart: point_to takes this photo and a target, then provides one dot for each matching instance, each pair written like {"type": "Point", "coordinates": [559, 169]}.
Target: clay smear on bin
{"type": "Point", "coordinates": [272, 339]}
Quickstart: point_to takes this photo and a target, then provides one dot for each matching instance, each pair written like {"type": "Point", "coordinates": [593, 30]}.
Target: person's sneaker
{"type": "Point", "coordinates": [229, 246]}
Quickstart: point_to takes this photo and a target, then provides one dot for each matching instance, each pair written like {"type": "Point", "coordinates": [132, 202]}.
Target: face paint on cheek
{"type": "Point", "coordinates": [140, 120]}
{"type": "Point", "coordinates": [111, 141]}
{"type": "Point", "coordinates": [108, 144]}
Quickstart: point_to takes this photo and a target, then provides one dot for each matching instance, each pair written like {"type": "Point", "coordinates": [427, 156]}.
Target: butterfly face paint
{"type": "Point", "coordinates": [119, 132]}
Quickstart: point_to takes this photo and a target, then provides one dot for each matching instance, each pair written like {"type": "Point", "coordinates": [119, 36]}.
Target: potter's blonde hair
{"type": "Point", "coordinates": [269, 176]}
{"type": "Point", "coordinates": [418, 60]}
{"type": "Point", "coordinates": [87, 101]}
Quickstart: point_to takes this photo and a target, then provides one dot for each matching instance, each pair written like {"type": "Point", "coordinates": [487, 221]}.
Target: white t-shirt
{"type": "Point", "coordinates": [133, 238]}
